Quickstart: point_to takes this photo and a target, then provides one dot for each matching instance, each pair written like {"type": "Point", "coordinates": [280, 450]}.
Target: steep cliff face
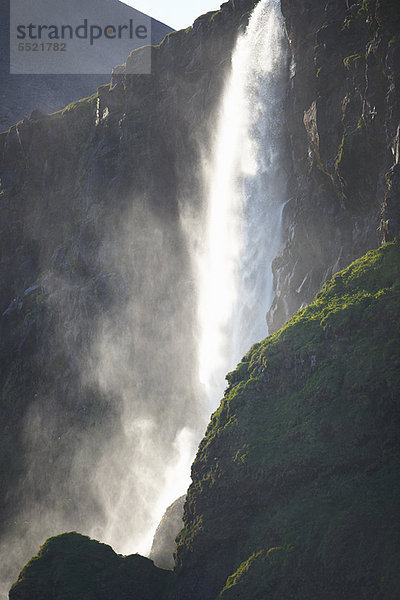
{"type": "Point", "coordinates": [343, 117]}
{"type": "Point", "coordinates": [95, 273]}
{"type": "Point", "coordinates": [295, 485]}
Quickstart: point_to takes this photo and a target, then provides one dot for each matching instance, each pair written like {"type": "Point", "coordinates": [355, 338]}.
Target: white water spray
{"type": "Point", "coordinates": [243, 222]}
{"type": "Point", "coordinates": [246, 196]}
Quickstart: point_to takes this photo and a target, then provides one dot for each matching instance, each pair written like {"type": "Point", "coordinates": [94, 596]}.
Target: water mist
{"type": "Point", "coordinates": [110, 463]}
{"type": "Point", "coordinates": [246, 195]}
{"type": "Point", "coordinates": [112, 473]}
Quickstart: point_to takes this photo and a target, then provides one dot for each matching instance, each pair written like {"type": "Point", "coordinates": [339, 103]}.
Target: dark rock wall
{"type": "Point", "coordinates": [343, 119]}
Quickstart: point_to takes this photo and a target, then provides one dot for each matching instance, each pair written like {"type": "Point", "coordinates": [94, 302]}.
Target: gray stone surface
{"type": "Point", "coordinates": [163, 548]}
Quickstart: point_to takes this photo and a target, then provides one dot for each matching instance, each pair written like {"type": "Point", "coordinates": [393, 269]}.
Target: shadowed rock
{"type": "Point", "coordinates": [72, 566]}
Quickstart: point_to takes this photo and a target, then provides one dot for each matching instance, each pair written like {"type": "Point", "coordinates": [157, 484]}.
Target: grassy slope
{"type": "Point", "coordinates": [305, 443]}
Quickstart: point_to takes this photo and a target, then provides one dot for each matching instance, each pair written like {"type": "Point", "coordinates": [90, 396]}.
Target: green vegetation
{"type": "Point", "coordinates": [303, 452]}
{"type": "Point", "coordinates": [274, 561]}
{"type": "Point", "coordinates": [214, 15]}
{"type": "Point", "coordinates": [352, 60]}
{"type": "Point", "coordinates": [79, 104]}
{"type": "Point", "coordinates": [72, 566]}
{"type": "Point", "coordinates": [358, 302]}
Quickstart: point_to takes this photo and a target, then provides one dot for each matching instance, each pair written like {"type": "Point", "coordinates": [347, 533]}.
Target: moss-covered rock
{"type": "Point", "coordinates": [296, 483]}
{"type": "Point", "coordinates": [72, 566]}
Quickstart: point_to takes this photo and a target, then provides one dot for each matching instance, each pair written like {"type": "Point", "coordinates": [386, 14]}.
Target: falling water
{"type": "Point", "coordinates": [246, 194]}
{"type": "Point", "coordinates": [245, 200]}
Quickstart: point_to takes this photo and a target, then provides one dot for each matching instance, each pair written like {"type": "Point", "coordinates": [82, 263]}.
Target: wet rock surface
{"type": "Point", "coordinates": [343, 118]}
{"type": "Point", "coordinates": [163, 548]}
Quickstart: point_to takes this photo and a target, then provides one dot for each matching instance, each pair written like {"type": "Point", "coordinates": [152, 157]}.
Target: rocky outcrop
{"type": "Point", "coordinates": [343, 118]}
{"type": "Point", "coordinates": [73, 566]}
{"type": "Point", "coordinates": [295, 484]}
{"type": "Point", "coordinates": [163, 547]}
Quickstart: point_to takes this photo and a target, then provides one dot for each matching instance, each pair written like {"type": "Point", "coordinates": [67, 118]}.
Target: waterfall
{"type": "Point", "coordinates": [246, 195]}
{"type": "Point", "coordinates": [125, 472]}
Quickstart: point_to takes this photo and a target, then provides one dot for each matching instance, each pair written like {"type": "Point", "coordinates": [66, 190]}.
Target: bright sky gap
{"type": "Point", "coordinates": [178, 14]}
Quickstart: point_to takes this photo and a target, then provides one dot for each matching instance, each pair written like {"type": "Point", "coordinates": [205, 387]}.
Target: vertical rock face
{"type": "Point", "coordinates": [343, 121]}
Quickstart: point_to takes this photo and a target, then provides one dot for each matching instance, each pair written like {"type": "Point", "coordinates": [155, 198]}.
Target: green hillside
{"type": "Point", "coordinates": [296, 483]}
